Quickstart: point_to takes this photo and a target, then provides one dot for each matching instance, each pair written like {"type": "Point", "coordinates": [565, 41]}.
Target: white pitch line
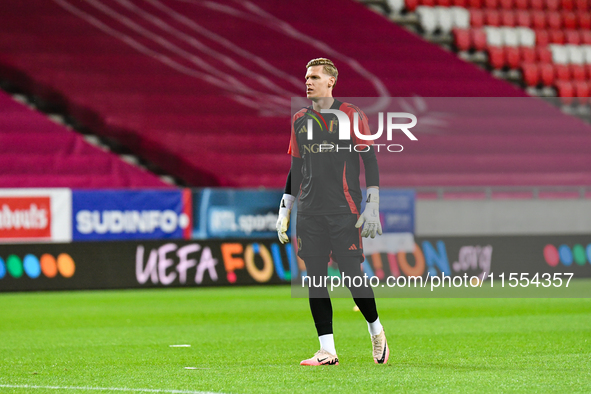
{"type": "Point", "coordinates": [26, 386]}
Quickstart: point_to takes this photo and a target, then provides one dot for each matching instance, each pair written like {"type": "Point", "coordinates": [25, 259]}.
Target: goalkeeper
{"type": "Point", "coordinates": [329, 206]}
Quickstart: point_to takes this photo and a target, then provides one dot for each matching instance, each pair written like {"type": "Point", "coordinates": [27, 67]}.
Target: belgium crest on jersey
{"type": "Point", "coordinates": [334, 126]}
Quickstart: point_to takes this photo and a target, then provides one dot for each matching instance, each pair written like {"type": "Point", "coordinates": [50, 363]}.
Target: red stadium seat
{"type": "Point", "coordinates": [565, 91]}
{"type": "Point", "coordinates": [460, 3]}
{"type": "Point", "coordinates": [569, 20]}
{"type": "Point", "coordinates": [537, 4]}
{"type": "Point", "coordinates": [552, 5]}
{"type": "Point", "coordinates": [475, 3]}
{"type": "Point", "coordinates": [527, 54]}
{"type": "Point", "coordinates": [572, 37]}
{"type": "Point", "coordinates": [478, 39]}
{"type": "Point", "coordinates": [462, 39]}
{"type": "Point", "coordinates": [512, 57]}
{"type": "Point", "coordinates": [562, 72]}
{"type": "Point", "coordinates": [531, 74]}
{"type": "Point", "coordinates": [585, 37]}
{"type": "Point", "coordinates": [496, 57]}
{"type": "Point", "coordinates": [546, 74]}
{"type": "Point", "coordinates": [567, 5]}
{"type": "Point", "coordinates": [476, 18]}
{"type": "Point", "coordinates": [581, 5]}
{"type": "Point", "coordinates": [581, 91]}
{"type": "Point", "coordinates": [543, 54]}
{"type": "Point", "coordinates": [508, 18]}
{"type": "Point", "coordinates": [584, 20]}
{"type": "Point", "coordinates": [411, 5]}
{"type": "Point", "coordinates": [491, 4]}
{"type": "Point", "coordinates": [556, 36]}
{"type": "Point", "coordinates": [538, 19]}
{"type": "Point", "coordinates": [428, 3]}
{"type": "Point", "coordinates": [443, 3]}
{"type": "Point", "coordinates": [492, 18]}
{"type": "Point", "coordinates": [542, 37]}
{"type": "Point", "coordinates": [578, 72]}
{"type": "Point", "coordinates": [506, 4]}
{"type": "Point", "coordinates": [523, 18]}
{"type": "Point", "coordinates": [553, 20]}
{"type": "Point", "coordinates": [521, 4]}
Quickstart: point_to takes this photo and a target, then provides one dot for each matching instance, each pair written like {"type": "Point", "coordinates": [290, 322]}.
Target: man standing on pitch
{"type": "Point", "coordinates": [326, 171]}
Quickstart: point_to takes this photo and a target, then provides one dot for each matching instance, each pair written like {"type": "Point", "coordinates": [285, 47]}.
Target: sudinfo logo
{"type": "Point", "coordinates": [33, 267]}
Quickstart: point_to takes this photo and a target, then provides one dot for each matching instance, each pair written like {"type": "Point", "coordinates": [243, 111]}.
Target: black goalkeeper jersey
{"type": "Point", "coordinates": [330, 183]}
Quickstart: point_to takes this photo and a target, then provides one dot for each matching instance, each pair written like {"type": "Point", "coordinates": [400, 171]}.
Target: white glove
{"type": "Point", "coordinates": [284, 215]}
{"type": "Point", "coordinates": [371, 214]}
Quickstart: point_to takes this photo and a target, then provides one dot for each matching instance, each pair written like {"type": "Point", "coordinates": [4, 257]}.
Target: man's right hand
{"type": "Point", "coordinates": [284, 216]}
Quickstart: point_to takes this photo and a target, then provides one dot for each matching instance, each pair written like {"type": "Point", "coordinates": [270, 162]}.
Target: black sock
{"type": "Point", "coordinates": [320, 304]}
{"type": "Point", "coordinates": [363, 295]}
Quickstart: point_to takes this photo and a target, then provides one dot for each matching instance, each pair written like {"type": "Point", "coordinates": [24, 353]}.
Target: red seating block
{"type": "Point", "coordinates": [565, 91]}
{"type": "Point", "coordinates": [492, 18]}
{"type": "Point", "coordinates": [531, 74]}
{"type": "Point", "coordinates": [512, 57]}
{"type": "Point", "coordinates": [475, 3]}
{"type": "Point", "coordinates": [542, 37]}
{"type": "Point", "coordinates": [572, 37]}
{"type": "Point", "coordinates": [543, 54]}
{"type": "Point", "coordinates": [584, 20]}
{"type": "Point", "coordinates": [578, 72]}
{"type": "Point", "coordinates": [562, 72]}
{"type": "Point", "coordinates": [582, 5]}
{"type": "Point", "coordinates": [476, 17]}
{"type": "Point", "coordinates": [508, 18]}
{"type": "Point", "coordinates": [523, 18]}
{"type": "Point", "coordinates": [581, 91]}
{"type": "Point", "coordinates": [546, 74]}
{"type": "Point", "coordinates": [460, 3]}
{"type": "Point", "coordinates": [569, 20]}
{"type": "Point", "coordinates": [556, 36]}
{"type": "Point", "coordinates": [411, 5]}
{"type": "Point", "coordinates": [462, 39]}
{"type": "Point", "coordinates": [521, 4]}
{"type": "Point", "coordinates": [443, 3]}
{"type": "Point", "coordinates": [496, 57]}
{"type": "Point", "coordinates": [527, 54]}
{"type": "Point", "coordinates": [567, 5]}
{"type": "Point", "coordinates": [506, 4]}
{"type": "Point", "coordinates": [585, 37]}
{"type": "Point", "coordinates": [538, 19]}
{"type": "Point", "coordinates": [537, 4]}
{"type": "Point", "coordinates": [491, 4]}
{"type": "Point", "coordinates": [478, 39]}
{"type": "Point", "coordinates": [553, 20]}
{"type": "Point", "coordinates": [552, 5]}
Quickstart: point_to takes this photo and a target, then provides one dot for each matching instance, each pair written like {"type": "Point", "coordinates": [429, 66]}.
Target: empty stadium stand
{"type": "Point", "coordinates": [35, 152]}
{"type": "Point", "coordinates": [203, 89]}
{"type": "Point", "coordinates": [543, 44]}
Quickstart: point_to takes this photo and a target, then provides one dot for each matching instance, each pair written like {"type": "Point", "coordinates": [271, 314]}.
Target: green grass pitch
{"type": "Point", "coordinates": [251, 339]}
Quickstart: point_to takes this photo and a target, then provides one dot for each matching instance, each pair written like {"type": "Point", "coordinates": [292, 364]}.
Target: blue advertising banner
{"type": "Point", "coordinates": [100, 215]}
{"type": "Point", "coordinates": [226, 213]}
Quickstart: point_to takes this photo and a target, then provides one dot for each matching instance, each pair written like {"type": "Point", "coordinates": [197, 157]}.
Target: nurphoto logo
{"type": "Point", "coordinates": [345, 126]}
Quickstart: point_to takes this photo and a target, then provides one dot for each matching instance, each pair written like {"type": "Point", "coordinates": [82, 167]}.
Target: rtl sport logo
{"type": "Point", "coordinates": [25, 217]}
{"type": "Point", "coordinates": [345, 131]}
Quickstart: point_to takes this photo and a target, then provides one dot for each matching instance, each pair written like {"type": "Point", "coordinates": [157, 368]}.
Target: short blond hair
{"type": "Point", "coordinates": [329, 67]}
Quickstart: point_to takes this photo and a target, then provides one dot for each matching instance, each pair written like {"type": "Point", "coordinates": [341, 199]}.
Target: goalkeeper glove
{"type": "Point", "coordinates": [371, 214]}
{"type": "Point", "coordinates": [284, 215]}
